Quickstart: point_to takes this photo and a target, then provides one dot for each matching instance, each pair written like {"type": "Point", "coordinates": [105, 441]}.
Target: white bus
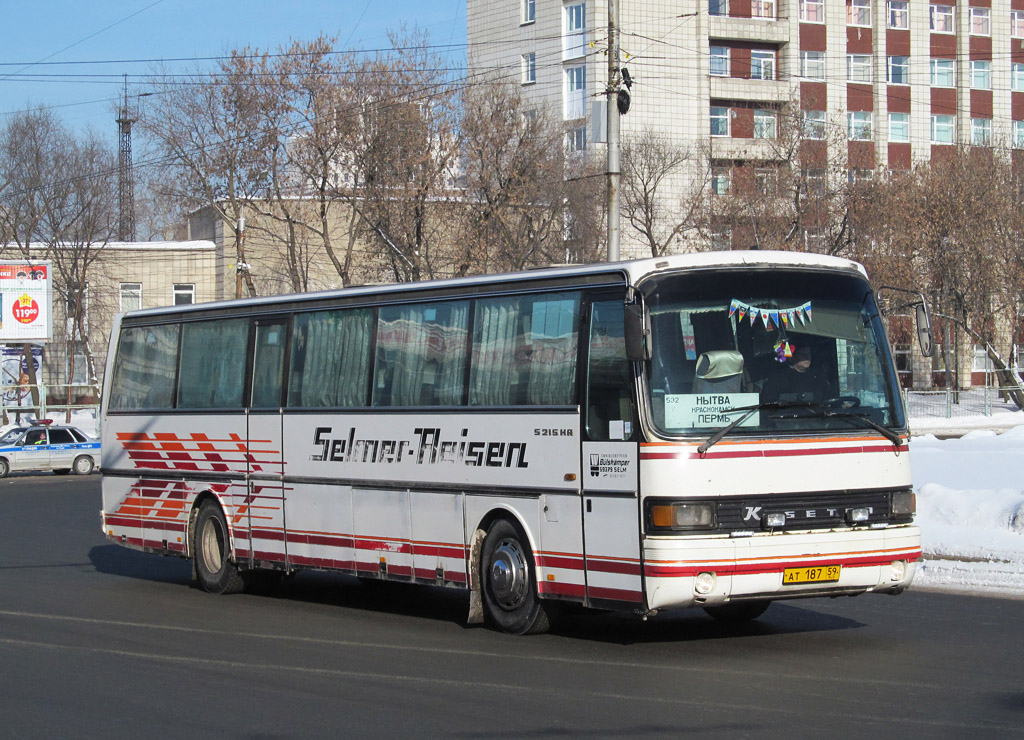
{"type": "Point", "coordinates": [629, 436]}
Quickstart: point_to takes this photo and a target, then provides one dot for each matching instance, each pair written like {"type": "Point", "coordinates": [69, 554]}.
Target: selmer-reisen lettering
{"type": "Point", "coordinates": [428, 447]}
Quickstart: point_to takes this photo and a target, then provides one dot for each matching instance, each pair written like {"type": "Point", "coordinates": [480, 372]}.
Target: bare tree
{"type": "Point", "coordinates": [513, 169]}
{"type": "Point", "coordinates": [663, 190]}
{"type": "Point", "coordinates": [58, 203]}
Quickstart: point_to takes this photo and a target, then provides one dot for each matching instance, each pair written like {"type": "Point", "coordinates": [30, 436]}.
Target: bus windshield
{"type": "Point", "coordinates": [789, 350]}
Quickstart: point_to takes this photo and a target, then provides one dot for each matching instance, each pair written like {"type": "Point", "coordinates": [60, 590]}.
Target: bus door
{"type": "Point", "coordinates": [261, 511]}
{"type": "Point", "coordinates": [611, 502]}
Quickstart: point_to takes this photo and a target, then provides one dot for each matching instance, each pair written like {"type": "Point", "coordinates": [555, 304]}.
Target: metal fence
{"type": "Point", "coordinates": [16, 401]}
{"type": "Point", "coordinates": [950, 403]}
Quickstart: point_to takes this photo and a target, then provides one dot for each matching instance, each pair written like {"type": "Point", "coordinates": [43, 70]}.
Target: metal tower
{"type": "Point", "coordinates": [125, 176]}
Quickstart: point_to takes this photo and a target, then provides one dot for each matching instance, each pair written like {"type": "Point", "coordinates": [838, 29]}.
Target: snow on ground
{"type": "Point", "coordinates": [970, 504]}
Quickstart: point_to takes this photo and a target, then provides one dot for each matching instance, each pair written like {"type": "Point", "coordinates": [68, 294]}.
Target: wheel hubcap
{"type": "Point", "coordinates": [213, 544]}
{"type": "Point", "coordinates": [509, 575]}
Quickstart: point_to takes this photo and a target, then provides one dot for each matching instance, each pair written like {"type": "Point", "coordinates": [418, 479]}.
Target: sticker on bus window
{"type": "Point", "coordinates": [703, 410]}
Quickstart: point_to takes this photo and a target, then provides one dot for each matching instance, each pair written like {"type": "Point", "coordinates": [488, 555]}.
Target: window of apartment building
{"type": "Point", "coordinates": [859, 175]}
{"type": "Point", "coordinates": [981, 132]}
{"type": "Point", "coordinates": [943, 129]}
{"type": "Point", "coordinates": [858, 125]}
{"type": "Point", "coordinates": [766, 124]}
{"type": "Point", "coordinates": [814, 182]}
{"type": "Point", "coordinates": [576, 139]}
{"type": "Point", "coordinates": [1017, 77]}
{"type": "Point", "coordinates": [858, 67]}
{"type": "Point", "coordinates": [1017, 24]}
{"type": "Point", "coordinates": [131, 297]}
{"type": "Point", "coordinates": [858, 12]}
{"type": "Point", "coordinates": [575, 92]}
{"type": "Point", "coordinates": [981, 21]}
{"type": "Point", "coordinates": [981, 74]}
{"type": "Point", "coordinates": [529, 11]}
{"type": "Point", "coordinates": [720, 61]}
{"type": "Point", "coordinates": [943, 73]}
{"type": "Point", "coordinates": [721, 238]}
{"type": "Point", "coordinates": [762, 64]}
{"type": "Point", "coordinates": [812, 11]}
{"type": "Point", "coordinates": [184, 294]}
{"type": "Point", "coordinates": [812, 65]}
{"type": "Point", "coordinates": [899, 14]}
{"type": "Point", "coordinates": [719, 121]}
{"type": "Point", "coordinates": [762, 9]}
{"type": "Point", "coordinates": [721, 180]}
{"type": "Point", "coordinates": [718, 7]}
{"type": "Point", "coordinates": [813, 125]}
{"type": "Point", "coordinates": [766, 180]}
{"type": "Point", "coordinates": [814, 239]}
{"type": "Point", "coordinates": [898, 70]}
{"type": "Point", "coordinates": [529, 68]}
{"type": "Point", "coordinates": [1018, 134]}
{"type": "Point", "coordinates": [575, 39]}
{"type": "Point", "coordinates": [899, 127]}
{"type": "Point", "coordinates": [940, 19]}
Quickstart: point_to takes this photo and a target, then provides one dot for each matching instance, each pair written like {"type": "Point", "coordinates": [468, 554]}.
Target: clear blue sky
{"type": "Point", "coordinates": [71, 55]}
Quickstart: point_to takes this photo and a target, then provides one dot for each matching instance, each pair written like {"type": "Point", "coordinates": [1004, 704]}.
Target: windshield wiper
{"type": "Point", "coordinates": [717, 436]}
{"type": "Point", "coordinates": [852, 417]}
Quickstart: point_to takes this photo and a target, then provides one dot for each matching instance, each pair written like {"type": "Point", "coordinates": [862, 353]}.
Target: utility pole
{"type": "Point", "coordinates": [614, 168]}
{"type": "Point", "coordinates": [125, 176]}
{"type": "Point", "coordinates": [240, 264]}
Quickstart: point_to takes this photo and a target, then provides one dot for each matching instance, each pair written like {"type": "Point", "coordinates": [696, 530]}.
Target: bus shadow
{"type": "Point", "coordinates": [693, 625]}
{"type": "Point", "coordinates": [120, 561]}
{"type": "Point", "coordinates": [451, 605]}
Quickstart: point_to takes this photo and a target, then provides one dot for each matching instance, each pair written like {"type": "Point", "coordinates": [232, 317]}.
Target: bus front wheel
{"type": "Point", "coordinates": [509, 592]}
{"type": "Point", "coordinates": [215, 571]}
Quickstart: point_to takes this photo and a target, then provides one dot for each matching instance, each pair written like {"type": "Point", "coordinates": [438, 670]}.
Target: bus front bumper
{"type": "Point", "coordinates": [707, 571]}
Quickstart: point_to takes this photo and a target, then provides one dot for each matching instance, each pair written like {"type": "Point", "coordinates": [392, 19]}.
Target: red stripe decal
{"type": "Point", "coordinates": [654, 570]}
{"type": "Point", "coordinates": [733, 454]}
{"type": "Point", "coordinates": [615, 594]}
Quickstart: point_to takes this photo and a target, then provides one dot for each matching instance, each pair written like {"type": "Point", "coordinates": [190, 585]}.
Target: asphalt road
{"type": "Point", "coordinates": [100, 641]}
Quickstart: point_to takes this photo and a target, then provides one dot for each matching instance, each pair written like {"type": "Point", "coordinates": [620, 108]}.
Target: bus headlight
{"type": "Point", "coordinates": [678, 515]}
{"type": "Point", "coordinates": [904, 503]}
{"type": "Point", "coordinates": [704, 583]}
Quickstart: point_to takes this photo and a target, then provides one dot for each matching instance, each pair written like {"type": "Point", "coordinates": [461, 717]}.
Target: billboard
{"type": "Point", "coordinates": [26, 302]}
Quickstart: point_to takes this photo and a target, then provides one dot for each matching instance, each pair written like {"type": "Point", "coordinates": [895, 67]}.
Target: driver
{"type": "Point", "coordinates": [798, 379]}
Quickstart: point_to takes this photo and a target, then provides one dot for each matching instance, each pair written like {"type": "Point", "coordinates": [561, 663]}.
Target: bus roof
{"type": "Point", "coordinates": [631, 271]}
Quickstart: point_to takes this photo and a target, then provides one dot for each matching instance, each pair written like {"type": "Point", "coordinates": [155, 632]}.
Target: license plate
{"type": "Point", "coordinates": [820, 574]}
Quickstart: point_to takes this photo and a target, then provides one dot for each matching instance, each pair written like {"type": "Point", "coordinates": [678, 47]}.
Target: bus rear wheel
{"type": "Point", "coordinates": [509, 592]}
{"type": "Point", "coordinates": [211, 549]}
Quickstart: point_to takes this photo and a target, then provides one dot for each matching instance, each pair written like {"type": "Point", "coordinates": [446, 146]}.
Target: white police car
{"type": "Point", "coordinates": [62, 449]}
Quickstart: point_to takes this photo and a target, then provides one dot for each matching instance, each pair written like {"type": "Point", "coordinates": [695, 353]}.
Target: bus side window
{"type": "Point", "coordinates": [610, 414]}
{"type": "Point", "coordinates": [268, 364]}
{"type": "Point", "coordinates": [421, 354]}
{"type": "Point", "coordinates": [207, 379]}
{"type": "Point", "coordinates": [145, 368]}
{"type": "Point", "coordinates": [524, 350]}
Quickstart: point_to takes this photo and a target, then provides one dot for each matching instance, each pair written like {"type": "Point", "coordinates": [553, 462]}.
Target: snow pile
{"type": "Point", "coordinates": [970, 507]}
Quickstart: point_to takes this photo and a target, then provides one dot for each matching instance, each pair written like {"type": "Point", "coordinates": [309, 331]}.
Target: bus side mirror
{"type": "Point", "coordinates": [637, 331]}
{"type": "Point", "coordinates": [925, 338]}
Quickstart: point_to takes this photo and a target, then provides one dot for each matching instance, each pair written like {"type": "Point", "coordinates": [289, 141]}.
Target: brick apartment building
{"type": "Point", "coordinates": [882, 84]}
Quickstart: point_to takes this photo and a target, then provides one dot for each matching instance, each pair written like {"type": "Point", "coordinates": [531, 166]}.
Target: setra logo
{"type": "Point", "coordinates": [26, 310]}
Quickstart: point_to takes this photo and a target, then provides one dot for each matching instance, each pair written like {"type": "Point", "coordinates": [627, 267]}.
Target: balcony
{"type": "Point", "coordinates": [756, 91]}
{"type": "Point", "coordinates": [748, 29]}
{"type": "Point", "coordinates": [761, 150]}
